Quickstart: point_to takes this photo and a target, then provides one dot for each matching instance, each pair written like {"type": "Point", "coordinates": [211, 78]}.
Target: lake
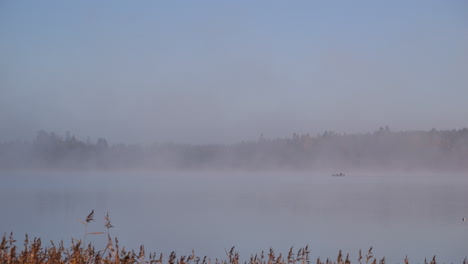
{"type": "Point", "coordinates": [399, 214]}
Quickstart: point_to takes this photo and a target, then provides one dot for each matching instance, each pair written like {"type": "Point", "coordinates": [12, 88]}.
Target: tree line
{"type": "Point", "coordinates": [382, 149]}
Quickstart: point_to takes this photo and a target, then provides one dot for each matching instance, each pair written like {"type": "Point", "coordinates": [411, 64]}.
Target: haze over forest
{"type": "Point", "coordinates": [381, 149]}
{"type": "Point", "coordinates": [208, 75]}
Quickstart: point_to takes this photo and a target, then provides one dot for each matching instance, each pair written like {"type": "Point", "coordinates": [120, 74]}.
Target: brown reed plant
{"type": "Point", "coordinates": [34, 252]}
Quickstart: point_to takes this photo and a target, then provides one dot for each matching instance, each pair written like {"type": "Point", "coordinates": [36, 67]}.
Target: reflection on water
{"type": "Point", "coordinates": [398, 214]}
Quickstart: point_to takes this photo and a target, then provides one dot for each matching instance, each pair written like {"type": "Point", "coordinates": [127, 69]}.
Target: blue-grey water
{"type": "Point", "coordinates": [399, 214]}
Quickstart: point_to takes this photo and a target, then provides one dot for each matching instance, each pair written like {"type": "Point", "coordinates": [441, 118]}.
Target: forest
{"type": "Point", "coordinates": [382, 149]}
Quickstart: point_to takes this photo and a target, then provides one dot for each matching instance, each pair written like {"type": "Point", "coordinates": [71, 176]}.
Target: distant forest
{"type": "Point", "coordinates": [382, 149]}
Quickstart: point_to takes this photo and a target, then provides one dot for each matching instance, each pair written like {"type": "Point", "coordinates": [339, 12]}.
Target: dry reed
{"type": "Point", "coordinates": [33, 252]}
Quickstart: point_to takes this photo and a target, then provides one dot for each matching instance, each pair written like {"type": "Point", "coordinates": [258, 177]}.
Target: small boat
{"type": "Point", "coordinates": [338, 174]}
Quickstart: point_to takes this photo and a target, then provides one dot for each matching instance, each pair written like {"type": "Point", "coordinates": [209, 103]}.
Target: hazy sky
{"type": "Point", "coordinates": [225, 71]}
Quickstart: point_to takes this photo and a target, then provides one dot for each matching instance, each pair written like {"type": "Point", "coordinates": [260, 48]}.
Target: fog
{"type": "Point", "coordinates": [382, 150]}
{"type": "Point", "coordinates": [220, 73]}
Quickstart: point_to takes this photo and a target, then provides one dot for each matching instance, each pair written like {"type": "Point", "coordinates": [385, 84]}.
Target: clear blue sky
{"type": "Point", "coordinates": [225, 71]}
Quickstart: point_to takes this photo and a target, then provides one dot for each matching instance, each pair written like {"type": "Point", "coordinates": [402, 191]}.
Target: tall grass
{"type": "Point", "coordinates": [34, 252]}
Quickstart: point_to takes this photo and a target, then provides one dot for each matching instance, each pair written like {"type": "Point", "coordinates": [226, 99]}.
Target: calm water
{"type": "Point", "coordinates": [418, 215]}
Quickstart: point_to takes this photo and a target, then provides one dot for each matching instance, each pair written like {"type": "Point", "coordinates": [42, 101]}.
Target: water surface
{"type": "Point", "coordinates": [399, 214]}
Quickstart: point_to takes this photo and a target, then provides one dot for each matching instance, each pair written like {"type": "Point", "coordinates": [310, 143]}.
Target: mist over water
{"type": "Point", "coordinates": [418, 215]}
{"type": "Point", "coordinates": [384, 150]}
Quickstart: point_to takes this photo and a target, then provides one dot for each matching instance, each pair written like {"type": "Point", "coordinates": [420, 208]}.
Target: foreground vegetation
{"type": "Point", "coordinates": [35, 252]}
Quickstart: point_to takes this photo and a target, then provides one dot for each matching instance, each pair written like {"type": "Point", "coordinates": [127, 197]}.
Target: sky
{"type": "Point", "coordinates": [226, 71]}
